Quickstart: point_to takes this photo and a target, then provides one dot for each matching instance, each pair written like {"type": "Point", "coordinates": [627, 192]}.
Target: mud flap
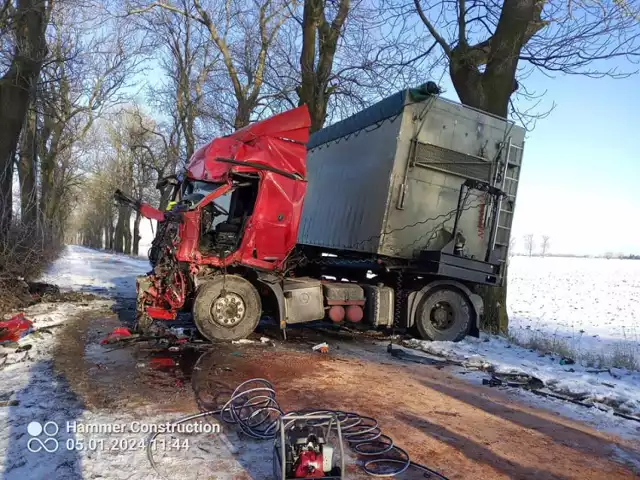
{"type": "Point", "coordinates": [273, 283]}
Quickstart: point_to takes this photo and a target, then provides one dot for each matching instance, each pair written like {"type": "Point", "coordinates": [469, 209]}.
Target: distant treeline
{"type": "Point", "coordinates": [569, 255]}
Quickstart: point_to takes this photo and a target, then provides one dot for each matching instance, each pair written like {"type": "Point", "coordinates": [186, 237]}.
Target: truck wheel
{"type": "Point", "coordinates": [444, 315]}
{"type": "Point", "coordinates": [227, 308]}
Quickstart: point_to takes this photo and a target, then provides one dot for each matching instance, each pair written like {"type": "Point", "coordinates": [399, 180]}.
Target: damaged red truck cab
{"type": "Point", "coordinates": [258, 174]}
{"type": "Point", "coordinates": [271, 156]}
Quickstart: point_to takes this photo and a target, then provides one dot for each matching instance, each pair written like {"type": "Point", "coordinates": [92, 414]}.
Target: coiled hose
{"type": "Point", "coordinates": [253, 408]}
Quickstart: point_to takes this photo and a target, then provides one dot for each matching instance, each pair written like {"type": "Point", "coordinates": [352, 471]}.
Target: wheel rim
{"type": "Point", "coordinates": [442, 316]}
{"type": "Point", "coordinates": [228, 310]}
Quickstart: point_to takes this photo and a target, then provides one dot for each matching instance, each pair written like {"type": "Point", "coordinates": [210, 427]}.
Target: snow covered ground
{"type": "Point", "coordinates": [608, 390]}
{"type": "Point", "coordinates": [97, 272]}
{"type": "Point", "coordinates": [51, 449]}
{"type": "Point", "coordinates": [32, 392]}
{"type": "Point", "coordinates": [38, 404]}
{"type": "Point", "coordinates": [588, 308]}
{"type": "Point", "coordinates": [590, 305]}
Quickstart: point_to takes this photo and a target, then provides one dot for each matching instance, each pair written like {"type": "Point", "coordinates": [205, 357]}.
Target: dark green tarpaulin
{"type": "Point", "coordinates": [378, 112]}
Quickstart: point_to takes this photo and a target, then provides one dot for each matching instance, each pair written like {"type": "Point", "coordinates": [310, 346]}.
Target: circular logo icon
{"type": "Point", "coordinates": [34, 429]}
{"type": "Point", "coordinates": [49, 444]}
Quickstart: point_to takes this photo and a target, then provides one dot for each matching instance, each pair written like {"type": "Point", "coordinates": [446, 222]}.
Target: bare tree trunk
{"type": "Point", "coordinates": [27, 170]}
{"type": "Point", "coordinates": [127, 232]}
{"type": "Point", "coordinates": [48, 198]}
{"type": "Point", "coordinates": [136, 233]}
{"type": "Point", "coordinates": [109, 243]}
{"type": "Point", "coordinates": [119, 234]}
{"type": "Point", "coordinates": [29, 24]}
{"type": "Point", "coordinates": [164, 198]}
{"type": "Point", "coordinates": [314, 90]}
{"type": "Point", "coordinates": [6, 195]}
{"type": "Point", "coordinates": [496, 318]}
{"type": "Point", "coordinates": [243, 115]}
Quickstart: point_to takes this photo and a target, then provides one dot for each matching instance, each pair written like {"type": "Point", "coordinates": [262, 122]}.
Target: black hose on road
{"type": "Point", "coordinates": [253, 408]}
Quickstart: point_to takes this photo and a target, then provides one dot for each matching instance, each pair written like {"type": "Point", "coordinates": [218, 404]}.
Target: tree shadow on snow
{"type": "Point", "coordinates": [48, 400]}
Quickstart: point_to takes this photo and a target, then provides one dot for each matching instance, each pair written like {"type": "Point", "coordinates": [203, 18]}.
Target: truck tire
{"type": "Point", "coordinates": [444, 315]}
{"type": "Point", "coordinates": [227, 308]}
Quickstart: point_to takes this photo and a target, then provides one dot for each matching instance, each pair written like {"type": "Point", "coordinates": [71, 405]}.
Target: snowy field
{"type": "Point", "coordinates": [589, 305]}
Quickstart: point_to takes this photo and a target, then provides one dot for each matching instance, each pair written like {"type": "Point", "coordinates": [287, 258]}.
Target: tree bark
{"type": "Point", "coordinates": [6, 195]}
{"type": "Point", "coordinates": [243, 115]}
{"type": "Point", "coordinates": [314, 89]}
{"type": "Point", "coordinates": [119, 234]}
{"type": "Point", "coordinates": [51, 146]}
{"type": "Point", "coordinates": [29, 24]}
{"type": "Point", "coordinates": [136, 233]}
{"type": "Point", "coordinates": [164, 198]}
{"type": "Point", "coordinates": [127, 232]}
{"type": "Point", "coordinates": [109, 243]}
{"type": "Point", "coordinates": [490, 90]}
{"type": "Point", "coordinates": [27, 170]}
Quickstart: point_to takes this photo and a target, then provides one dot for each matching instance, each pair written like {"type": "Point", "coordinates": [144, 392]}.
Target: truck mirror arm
{"type": "Point", "coordinates": [145, 209]}
{"type": "Point", "coordinates": [168, 180]}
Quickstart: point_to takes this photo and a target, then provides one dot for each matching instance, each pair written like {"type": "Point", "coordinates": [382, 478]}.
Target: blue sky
{"type": "Point", "coordinates": [580, 180]}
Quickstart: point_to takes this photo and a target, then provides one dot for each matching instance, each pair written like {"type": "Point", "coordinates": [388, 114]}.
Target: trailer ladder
{"type": "Point", "coordinates": [506, 178]}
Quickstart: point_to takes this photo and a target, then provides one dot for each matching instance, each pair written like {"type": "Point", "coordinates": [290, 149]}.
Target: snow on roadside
{"type": "Point", "coordinates": [98, 272]}
{"type": "Point", "coordinates": [615, 388]}
{"type": "Point", "coordinates": [31, 391]}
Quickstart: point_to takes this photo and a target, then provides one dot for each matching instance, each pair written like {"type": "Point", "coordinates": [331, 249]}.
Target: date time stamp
{"type": "Point", "coordinates": [126, 444]}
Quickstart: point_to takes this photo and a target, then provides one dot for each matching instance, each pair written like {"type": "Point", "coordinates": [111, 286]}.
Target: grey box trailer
{"type": "Point", "coordinates": [388, 181]}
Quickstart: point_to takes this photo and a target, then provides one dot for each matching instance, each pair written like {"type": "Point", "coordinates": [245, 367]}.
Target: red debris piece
{"type": "Point", "coordinates": [117, 334]}
{"type": "Point", "coordinates": [162, 362]}
{"type": "Point", "coordinates": [15, 328]}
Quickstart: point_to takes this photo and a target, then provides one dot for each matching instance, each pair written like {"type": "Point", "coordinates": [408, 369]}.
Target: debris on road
{"type": "Point", "coordinates": [15, 328]}
{"type": "Point", "coordinates": [578, 382]}
{"type": "Point", "coordinates": [117, 335]}
{"type": "Point", "coordinates": [162, 362]}
{"type": "Point", "coordinates": [321, 347]}
{"type": "Point", "coordinates": [514, 380]}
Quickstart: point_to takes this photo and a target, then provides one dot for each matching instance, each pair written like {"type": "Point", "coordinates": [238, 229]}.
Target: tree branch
{"type": "Point", "coordinates": [462, 12]}
{"type": "Point", "coordinates": [441, 41]}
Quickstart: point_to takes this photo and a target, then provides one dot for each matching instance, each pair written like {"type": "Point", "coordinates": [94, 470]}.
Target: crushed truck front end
{"type": "Point", "coordinates": [234, 212]}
